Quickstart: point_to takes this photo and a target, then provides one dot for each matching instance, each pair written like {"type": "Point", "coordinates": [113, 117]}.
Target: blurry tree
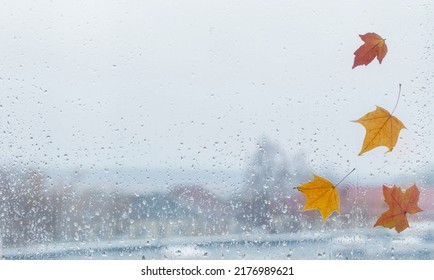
{"type": "Point", "coordinates": [32, 211]}
{"type": "Point", "coordinates": [266, 184]}
{"type": "Point", "coordinates": [25, 208]}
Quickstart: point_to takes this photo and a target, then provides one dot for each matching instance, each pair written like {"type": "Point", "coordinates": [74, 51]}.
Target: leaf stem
{"type": "Point", "coordinates": [345, 177]}
{"type": "Point", "coordinates": [399, 95]}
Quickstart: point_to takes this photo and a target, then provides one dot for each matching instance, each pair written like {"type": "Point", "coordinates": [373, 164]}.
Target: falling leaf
{"type": "Point", "coordinates": [374, 46]}
{"type": "Point", "coordinates": [382, 129]}
{"type": "Point", "coordinates": [400, 203]}
{"type": "Point", "coordinates": [320, 194]}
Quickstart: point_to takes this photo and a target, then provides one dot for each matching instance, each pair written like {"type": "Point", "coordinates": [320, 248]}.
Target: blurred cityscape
{"type": "Point", "coordinates": [33, 210]}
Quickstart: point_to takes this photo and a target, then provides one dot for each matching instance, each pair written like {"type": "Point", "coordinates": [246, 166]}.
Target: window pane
{"type": "Point", "coordinates": [182, 129]}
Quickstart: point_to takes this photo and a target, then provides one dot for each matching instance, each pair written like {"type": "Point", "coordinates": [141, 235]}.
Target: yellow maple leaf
{"type": "Point", "coordinates": [321, 194]}
{"type": "Point", "coordinates": [382, 129]}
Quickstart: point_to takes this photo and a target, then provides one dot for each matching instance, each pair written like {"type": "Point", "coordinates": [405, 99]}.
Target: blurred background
{"type": "Point", "coordinates": [153, 125]}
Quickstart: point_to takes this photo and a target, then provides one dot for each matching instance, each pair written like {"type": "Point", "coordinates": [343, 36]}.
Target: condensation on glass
{"type": "Point", "coordinates": [169, 130]}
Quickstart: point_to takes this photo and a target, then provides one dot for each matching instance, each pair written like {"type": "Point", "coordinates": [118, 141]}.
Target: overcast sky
{"type": "Point", "coordinates": [195, 84]}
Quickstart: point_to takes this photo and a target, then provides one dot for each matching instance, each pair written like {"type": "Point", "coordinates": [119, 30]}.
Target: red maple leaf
{"type": "Point", "coordinates": [374, 46]}
{"type": "Point", "coordinates": [400, 203]}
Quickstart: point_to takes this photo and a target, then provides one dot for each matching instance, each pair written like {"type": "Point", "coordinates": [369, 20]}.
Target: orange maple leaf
{"type": "Point", "coordinates": [374, 46]}
{"type": "Point", "coordinates": [321, 194]}
{"type": "Point", "coordinates": [382, 129]}
{"type": "Point", "coordinates": [400, 203]}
